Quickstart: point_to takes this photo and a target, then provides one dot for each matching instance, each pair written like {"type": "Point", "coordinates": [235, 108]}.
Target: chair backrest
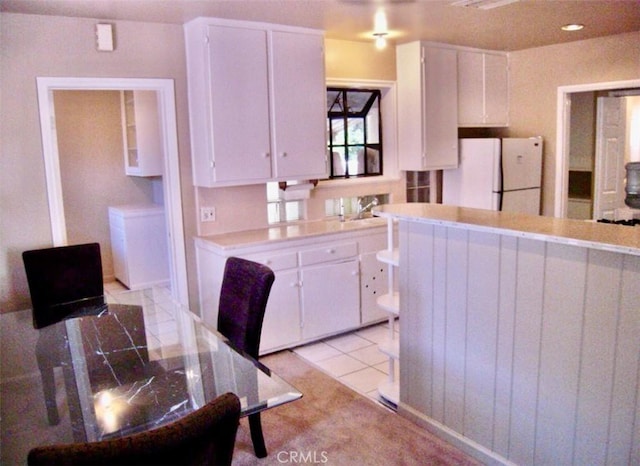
{"type": "Point", "coordinates": [243, 299]}
{"type": "Point", "coordinates": [62, 275]}
{"type": "Point", "coordinates": [203, 437]}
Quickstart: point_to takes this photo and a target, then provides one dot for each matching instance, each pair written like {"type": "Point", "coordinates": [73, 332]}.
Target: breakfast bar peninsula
{"type": "Point", "coordinates": [519, 334]}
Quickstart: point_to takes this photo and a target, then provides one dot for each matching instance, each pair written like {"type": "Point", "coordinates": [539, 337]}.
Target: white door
{"type": "Point", "coordinates": [609, 167]}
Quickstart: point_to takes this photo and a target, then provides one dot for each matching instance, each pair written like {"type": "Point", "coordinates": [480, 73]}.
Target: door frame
{"type": "Point", "coordinates": [170, 181]}
{"type": "Point", "coordinates": [563, 114]}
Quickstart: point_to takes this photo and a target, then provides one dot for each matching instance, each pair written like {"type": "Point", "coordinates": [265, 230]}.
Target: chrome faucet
{"type": "Point", "coordinates": [363, 210]}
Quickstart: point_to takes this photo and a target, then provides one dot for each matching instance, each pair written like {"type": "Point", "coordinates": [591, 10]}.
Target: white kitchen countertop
{"type": "Point", "coordinates": [301, 230]}
{"type": "Point", "coordinates": [611, 237]}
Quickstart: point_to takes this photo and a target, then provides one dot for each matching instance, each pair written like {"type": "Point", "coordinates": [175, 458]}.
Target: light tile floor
{"type": "Point", "coordinates": [352, 358]}
{"type": "Point", "coordinates": [160, 325]}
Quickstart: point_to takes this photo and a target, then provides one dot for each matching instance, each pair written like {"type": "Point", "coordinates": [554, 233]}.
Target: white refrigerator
{"type": "Point", "coordinates": [496, 174]}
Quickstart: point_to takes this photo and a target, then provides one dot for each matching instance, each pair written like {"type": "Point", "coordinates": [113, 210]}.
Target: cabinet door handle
{"type": "Point", "coordinates": [331, 251]}
{"type": "Point", "coordinates": [266, 155]}
{"type": "Point", "coordinates": [284, 154]}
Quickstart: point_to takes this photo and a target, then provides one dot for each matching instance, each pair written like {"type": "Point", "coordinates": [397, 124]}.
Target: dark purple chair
{"type": "Point", "coordinates": [62, 280]}
{"type": "Point", "coordinates": [204, 437]}
{"type": "Point", "coordinates": [243, 299]}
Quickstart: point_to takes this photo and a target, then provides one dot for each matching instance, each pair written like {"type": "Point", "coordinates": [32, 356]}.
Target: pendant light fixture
{"type": "Point", "coordinates": [380, 31]}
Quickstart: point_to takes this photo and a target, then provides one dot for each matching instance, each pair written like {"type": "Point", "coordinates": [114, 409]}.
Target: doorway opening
{"type": "Point", "coordinates": [568, 96]}
{"type": "Point", "coordinates": [171, 175]}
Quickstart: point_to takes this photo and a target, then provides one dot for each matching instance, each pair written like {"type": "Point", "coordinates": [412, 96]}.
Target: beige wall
{"type": "Point", "coordinates": [90, 149]}
{"type": "Point", "coordinates": [347, 59]}
{"type": "Point", "coordinates": [33, 46]}
{"type": "Point", "coordinates": [537, 73]}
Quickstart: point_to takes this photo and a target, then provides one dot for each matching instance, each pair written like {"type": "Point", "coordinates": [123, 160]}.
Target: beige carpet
{"type": "Point", "coordinates": [334, 425]}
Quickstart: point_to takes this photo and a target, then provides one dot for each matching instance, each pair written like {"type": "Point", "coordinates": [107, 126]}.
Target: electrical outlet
{"type": "Point", "coordinates": [207, 214]}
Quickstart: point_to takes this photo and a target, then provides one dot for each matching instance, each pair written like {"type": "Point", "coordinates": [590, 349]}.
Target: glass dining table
{"type": "Point", "coordinates": [126, 370]}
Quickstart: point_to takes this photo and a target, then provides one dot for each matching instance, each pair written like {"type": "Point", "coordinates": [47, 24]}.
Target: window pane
{"type": "Point", "coordinates": [357, 101]}
{"type": "Point", "coordinates": [355, 134]}
{"type": "Point", "coordinates": [273, 212]}
{"type": "Point", "coordinates": [293, 211]}
{"type": "Point", "coordinates": [373, 122]}
{"type": "Point", "coordinates": [356, 160]}
{"type": "Point", "coordinates": [273, 191]}
{"type": "Point", "coordinates": [334, 101]}
{"type": "Point", "coordinates": [373, 161]}
{"type": "Point", "coordinates": [337, 132]}
{"type": "Point", "coordinates": [339, 162]}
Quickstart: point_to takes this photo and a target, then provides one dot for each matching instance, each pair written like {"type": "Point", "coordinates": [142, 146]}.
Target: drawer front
{"type": "Point", "coordinates": [328, 253]}
{"type": "Point", "coordinates": [275, 261]}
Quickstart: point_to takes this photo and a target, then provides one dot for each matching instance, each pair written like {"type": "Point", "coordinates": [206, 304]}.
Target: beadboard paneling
{"type": "Point", "coordinates": [526, 348]}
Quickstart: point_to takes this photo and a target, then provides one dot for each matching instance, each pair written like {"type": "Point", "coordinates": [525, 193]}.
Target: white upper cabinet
{"type": "Point", "coordinates": [427, 106]}
{"type": "Point", "coordinates": [256, 102]}
{"type": "Point", "coordinates": [239, 103]}
{"type": "Point", "coordinates": [143, 154]}
{"type": "Point", "coordinates": [483, 88]}
{"type": "Point", "coordinates": [299, 106]}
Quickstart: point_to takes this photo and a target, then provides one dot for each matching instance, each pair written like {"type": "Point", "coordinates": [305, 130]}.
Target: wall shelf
{"type": "Point", "coordinates": [389, 390]}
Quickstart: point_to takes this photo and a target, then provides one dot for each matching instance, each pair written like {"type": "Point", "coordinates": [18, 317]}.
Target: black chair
{"type": "Point", "coordinates": [203, 437]}
{"type": "Point", "coordinates": [243, 299]}
{"type": "Point", "coordinates": [61, 281]}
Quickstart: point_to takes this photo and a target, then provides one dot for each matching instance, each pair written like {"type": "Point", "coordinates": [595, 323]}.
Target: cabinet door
{"type": "Point", "coordinates": [482, 89]}
{"type": "Point", "coordinates": [470, 88]}
{"type": "Point", "coordinates": [496, 99]}
{"type": "Point", "coordinates": [441, 108]}
{"type": "Point", "coordinates": [427, 107]}
{"type": "Point", "coordinates": [239, 91]}
{"type": "Point", "coordinates": [299, 105]}
{"type": "Point", "coordinates": [147, 128]}
{"type": "Point", "coordinates": [330, 299]}
{"type": "Point", "coordinates": [281, 326]}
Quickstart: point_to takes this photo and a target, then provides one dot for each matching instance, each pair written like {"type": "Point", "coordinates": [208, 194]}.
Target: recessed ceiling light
{"type": "Point", "coordinates": [572, 27]}
{"type": "Point", "coordinates": [483, 4]}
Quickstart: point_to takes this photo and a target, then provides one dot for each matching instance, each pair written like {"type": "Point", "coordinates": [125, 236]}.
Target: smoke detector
{"type": "Point", "coordinates": [482, 4]}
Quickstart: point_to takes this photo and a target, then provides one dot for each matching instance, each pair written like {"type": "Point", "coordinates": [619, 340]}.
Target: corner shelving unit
{"type": "Point", "coordinates": [389, 390]}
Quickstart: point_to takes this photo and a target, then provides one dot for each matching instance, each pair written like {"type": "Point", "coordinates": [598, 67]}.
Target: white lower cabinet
{"type": "Point", "coordinates": [330, 299]}
{"type": "Point", "coordinates": [282, 319]}
{"type": "Point", "coordinates": [139, 245]}
{"type": "Point", "coordinates": [316, 292]}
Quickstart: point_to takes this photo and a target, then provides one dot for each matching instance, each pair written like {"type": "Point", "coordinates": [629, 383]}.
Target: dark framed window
{"type": "Point", "coordinates": [354, 132]}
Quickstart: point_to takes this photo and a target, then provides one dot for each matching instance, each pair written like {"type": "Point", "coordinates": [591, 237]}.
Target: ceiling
{"type": "Point", "coordinates": [514, 26]}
